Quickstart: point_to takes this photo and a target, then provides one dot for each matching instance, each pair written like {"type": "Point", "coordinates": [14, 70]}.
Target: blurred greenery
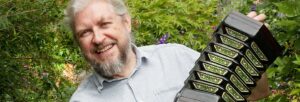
{"type": "Point", "coordinates": [40, 62]}
{"type": "Point", "coordinates": [284, 76]}
{"type": "Point", "coordinates": [37, 53]}
{"type": "Point", "coordinates": [185, 21]}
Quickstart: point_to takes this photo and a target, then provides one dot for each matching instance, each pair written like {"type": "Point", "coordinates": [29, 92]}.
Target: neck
{"type": "Point", "coordinates": [129, 66]}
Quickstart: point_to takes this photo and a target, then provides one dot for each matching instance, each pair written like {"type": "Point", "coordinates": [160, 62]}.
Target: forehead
{"type": "Point", "coordinates": [94, 13]}
{"type": "Point", "coordinates": [96, 8]}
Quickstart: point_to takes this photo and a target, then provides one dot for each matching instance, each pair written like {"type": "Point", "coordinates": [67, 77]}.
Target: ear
{"type": "Point", "coordinates": [127, 22]}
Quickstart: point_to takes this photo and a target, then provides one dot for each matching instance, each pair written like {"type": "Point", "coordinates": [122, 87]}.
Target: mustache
{"type": "Point", "coordinates": [102, 45]}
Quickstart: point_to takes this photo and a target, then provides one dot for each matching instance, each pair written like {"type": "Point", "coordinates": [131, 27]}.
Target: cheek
{"type": "Point", "coordinates": [84, 45]}
{"type": "Point", "coordinates": [121, 33]}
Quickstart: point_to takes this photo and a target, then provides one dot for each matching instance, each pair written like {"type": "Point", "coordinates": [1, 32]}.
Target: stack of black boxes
{"type": "Point", "coordinates": [229, 67]}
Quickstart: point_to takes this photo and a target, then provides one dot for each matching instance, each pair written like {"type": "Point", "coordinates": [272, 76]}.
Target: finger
{"type": "Point", "coordinates": [267, 25]}
{"type": "Point", "coordinates": [252, 14]}
{"type": "Point", "coordinates": [260, 17]}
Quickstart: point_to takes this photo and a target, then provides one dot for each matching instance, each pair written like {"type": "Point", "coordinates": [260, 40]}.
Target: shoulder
{"type": "Point", "coordinates": [86, 87]}
{"type": "Point", "coordinates": [169, 49]}
{"type": "Point", "coordinates": [163, 46]}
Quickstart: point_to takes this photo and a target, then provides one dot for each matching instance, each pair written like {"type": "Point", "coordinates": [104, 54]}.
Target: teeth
{"type": "Point", "coordinates": [105, 48]}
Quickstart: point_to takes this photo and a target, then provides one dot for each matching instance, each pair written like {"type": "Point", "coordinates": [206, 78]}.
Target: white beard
{"type": "Point", "coordinates": [111, 67]}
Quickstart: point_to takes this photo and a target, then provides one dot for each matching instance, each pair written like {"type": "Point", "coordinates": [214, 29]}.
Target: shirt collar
{"type": "Point", "coordinates": [141, 58]}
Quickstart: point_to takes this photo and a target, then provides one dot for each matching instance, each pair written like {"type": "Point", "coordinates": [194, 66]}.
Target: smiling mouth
{"type": "Point", "coordinates": [104, 49]}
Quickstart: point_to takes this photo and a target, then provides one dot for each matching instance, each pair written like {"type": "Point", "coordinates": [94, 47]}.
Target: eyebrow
{"type": "Point", "coordinates": [105, 18]}
{"type": "Point", "coordinates": [82, 27]}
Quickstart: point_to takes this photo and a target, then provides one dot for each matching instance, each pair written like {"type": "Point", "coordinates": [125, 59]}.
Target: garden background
{"type": "Point", "coordinates": [40, 62]}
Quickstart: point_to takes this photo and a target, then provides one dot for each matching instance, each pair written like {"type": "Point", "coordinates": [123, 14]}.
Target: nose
{"type": "Point", "coordinates": [98, 37]}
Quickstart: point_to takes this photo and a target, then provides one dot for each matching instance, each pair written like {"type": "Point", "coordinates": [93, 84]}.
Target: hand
{"type": "Point", "coordinates": [262, 87]}
{"type": "Point", "coordinates": [261, 17]}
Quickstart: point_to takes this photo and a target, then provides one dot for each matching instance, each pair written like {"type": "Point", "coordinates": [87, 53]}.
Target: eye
{"type": "Point", "coordinates": [85, 33]}
{"type": "Point", "coordinates": [105, 24]}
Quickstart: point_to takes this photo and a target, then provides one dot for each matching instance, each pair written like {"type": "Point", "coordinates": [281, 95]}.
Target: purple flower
{"type": "Point", "coordinates": [253, 7]}
{"type": "Point", "coordinates": [163, 39]}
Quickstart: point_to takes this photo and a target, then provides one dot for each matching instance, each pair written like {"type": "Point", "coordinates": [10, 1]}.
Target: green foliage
{"type": "Point", "coordinates": [40, 62]}
{"type": "Point", "coordinates": [35, 46]}
{"type": "Point", "coordinates": [188, 22]}
{"type": "Point", "coordinates": [38, 56]}
{"type": "Point", "coordinates": [226, 6]}
{"type": "Point", "coordinates": [284, 18]}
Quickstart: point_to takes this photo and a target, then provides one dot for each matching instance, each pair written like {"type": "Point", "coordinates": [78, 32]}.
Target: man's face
{"type": "Point", "coordinates": [104, 37]}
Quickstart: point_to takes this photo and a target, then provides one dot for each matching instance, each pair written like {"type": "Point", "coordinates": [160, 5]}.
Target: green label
{"type": "Point", "coordinates": [215, 69]}
{"type": "Point", "coordinates": [225, 51]}
{"type": "Point", "coordinates": [236, 34]}
{"type": "Point", "coordinates": [231, 43]}
{"type": "Point", "coordinates": [219, 60]}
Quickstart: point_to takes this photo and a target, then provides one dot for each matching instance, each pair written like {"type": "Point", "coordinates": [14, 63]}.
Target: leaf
{"type": "Point", "coordinates": [271, 72]}
{"type": "Point", "coordinates": [295, 91]}
{"type": "Point", "coordinates": [294, 100]}
{"type": "Point", "coordinates": [4, 23]}
{"type": "Point", "coordinates": [297, 85]}
{"type": "Point", "coordinates": [298, 69]}
{"type": "Point", "coordinates": [279, 62]}
{"type": "Point", "coordinates": [289, 7]}
{"type": "Point", "coordinates": [297, 61]}
{"type": "Point", "coordinates": [297, 44]}
{"type": "Point", "coordinates": [288, 25]}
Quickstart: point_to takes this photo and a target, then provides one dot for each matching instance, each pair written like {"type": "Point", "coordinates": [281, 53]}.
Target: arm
{"type": "Point", "coordinates": [261, 90]}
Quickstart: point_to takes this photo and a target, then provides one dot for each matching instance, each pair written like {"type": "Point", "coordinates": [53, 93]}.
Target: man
{"type": "Point", "coordinates": [122, 71]}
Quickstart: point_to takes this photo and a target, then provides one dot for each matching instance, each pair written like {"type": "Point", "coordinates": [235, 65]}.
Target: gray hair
{"type": "Point", "coordinates": [77, 5]}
